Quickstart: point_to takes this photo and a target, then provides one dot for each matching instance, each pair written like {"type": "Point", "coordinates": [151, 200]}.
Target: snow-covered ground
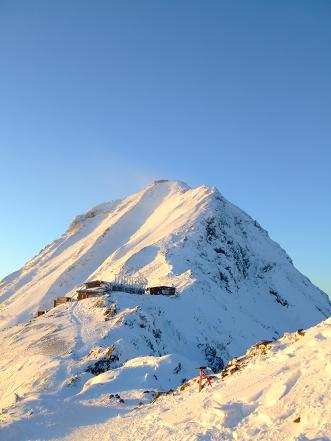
{"type": "Point", "coordinates": [85, 362]}
{"type": "Point", "coordinates": [277, 391]}
{"type": "Point", "coordinates": [278, 394]}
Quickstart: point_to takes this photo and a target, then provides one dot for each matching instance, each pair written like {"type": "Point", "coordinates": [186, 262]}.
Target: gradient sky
{"type": "Point", "coordinates": [97, 98]}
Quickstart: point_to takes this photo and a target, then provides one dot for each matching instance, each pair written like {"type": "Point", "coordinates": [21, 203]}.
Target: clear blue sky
{"type": "Point", "coordinates": [97, 98]}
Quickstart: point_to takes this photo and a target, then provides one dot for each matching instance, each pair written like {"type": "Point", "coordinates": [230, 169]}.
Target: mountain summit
{"type": "Point", "coordinates": [193, 238]}
{"type": "Point", "coordinates": [234, 286]}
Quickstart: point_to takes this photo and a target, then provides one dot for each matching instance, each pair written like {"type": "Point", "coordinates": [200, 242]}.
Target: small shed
{"type": "Point", "coordinates": [60, 300]}
{"type": "Point", "coordinates": [161, 290]}
{"type": "Point", "coordinates": [88, 293]}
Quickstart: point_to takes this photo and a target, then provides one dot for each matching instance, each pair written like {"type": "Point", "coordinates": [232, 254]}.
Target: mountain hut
{"type": "Point", "coordinates": [161, 290]}
{"type": "Point", "coordinates": [88, 293]}
{"type": "Point", "coordinates": [60, 300]}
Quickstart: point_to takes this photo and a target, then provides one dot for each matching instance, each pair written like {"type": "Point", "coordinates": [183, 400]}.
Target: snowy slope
{"type": "Point", "coordinates": [192, 238]}
{"type": "Point", "coordinates": [282, 394]}
{"type": "Point", "coordinates": [278, 391]}
{"type": "Point", "coordinates": [235, 286]}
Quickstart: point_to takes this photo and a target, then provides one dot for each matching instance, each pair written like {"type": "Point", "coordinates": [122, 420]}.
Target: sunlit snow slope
{"type": "Point", "coordinates": [235, 286]}
{"type": "Point", "coordinates": [172, 234]}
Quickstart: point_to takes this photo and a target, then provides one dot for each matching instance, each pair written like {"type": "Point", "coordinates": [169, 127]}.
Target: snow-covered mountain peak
{"type": "Point", "coordinates": [169, 233]}
{"type": "Point", "coordinates": [234, 286]}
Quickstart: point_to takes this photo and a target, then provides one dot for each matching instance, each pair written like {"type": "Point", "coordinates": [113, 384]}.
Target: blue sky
{"type": "Point", "coordinates": [99, 98]}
